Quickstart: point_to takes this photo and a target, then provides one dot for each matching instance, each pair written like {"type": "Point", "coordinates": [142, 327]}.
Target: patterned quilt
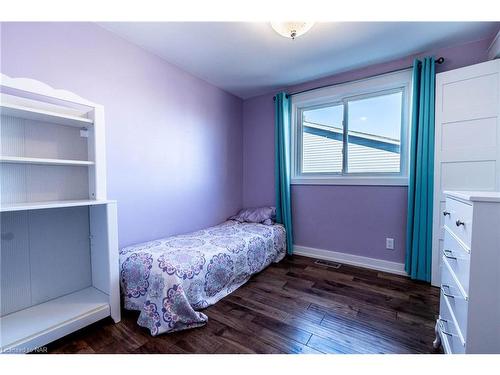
{"type": "Point", "coordinates": [167, 280]}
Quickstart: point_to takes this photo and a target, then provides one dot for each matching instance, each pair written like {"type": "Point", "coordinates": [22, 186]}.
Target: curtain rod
{"type": "Point", "coordinates": [440, 60]}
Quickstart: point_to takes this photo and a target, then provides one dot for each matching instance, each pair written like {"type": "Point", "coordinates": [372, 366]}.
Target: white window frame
{"type": "Point", "coordinates": [340, 94]}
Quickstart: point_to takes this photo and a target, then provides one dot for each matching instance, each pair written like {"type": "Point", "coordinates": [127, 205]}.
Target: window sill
{"type": "Point", "coordinates": [363, 181]}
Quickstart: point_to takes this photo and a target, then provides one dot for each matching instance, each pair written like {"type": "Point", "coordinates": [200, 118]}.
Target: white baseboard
{"type": "Point", "coordinates": [354, 260]}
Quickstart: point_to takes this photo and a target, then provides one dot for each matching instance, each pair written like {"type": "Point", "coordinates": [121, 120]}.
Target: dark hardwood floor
{"type": "Point", "coordinates": [295, 306]}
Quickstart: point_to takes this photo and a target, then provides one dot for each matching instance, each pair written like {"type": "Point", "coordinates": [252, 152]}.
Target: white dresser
{"type": "Point", "coordinates": [467, 145]}
{"type": "Point", "coordinates": [469, 315]}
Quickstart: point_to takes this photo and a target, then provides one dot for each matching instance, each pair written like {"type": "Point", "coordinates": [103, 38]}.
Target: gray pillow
{"type": "Point", "coordinates": [264, 215]}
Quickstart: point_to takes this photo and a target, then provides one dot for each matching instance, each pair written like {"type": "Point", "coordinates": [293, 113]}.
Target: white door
{"type": "Point", "coordinates": [467, 143]}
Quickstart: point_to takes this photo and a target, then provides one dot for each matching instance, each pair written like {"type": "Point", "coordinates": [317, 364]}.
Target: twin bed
{"type": "Point", "coordinates": [169, 279]}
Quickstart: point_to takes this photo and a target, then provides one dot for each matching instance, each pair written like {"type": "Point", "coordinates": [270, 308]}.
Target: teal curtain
{"type": "Point", "coordinates": [420, 188]}
{"type": "Point", "coordinates": [282, 130]}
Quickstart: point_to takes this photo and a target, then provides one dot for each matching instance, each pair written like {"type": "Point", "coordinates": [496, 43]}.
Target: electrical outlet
{"type": "Point", "coordinates": [389, 243]}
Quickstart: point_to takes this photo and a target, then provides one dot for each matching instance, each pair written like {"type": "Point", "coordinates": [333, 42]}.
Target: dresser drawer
{"type": "Point", "coordinates": [451, 293]}
{"type": "Point", "coordinates": [458, 259]}
{"type": "Point", "coordinates": [448, 331]}
{"type": "Point", "coordinates": [458, 218]}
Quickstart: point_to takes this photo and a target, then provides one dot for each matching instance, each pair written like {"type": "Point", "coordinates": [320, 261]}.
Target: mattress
{"type": "Point", "coordinates": [169, 279]}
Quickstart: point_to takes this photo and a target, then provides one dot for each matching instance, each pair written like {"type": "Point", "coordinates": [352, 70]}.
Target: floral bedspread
{"type": "Point", "coordinates": [168, 279]}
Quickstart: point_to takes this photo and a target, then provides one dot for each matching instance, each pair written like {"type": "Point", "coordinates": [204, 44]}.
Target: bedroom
{"type": "Point", "coordinates": [250, 187]}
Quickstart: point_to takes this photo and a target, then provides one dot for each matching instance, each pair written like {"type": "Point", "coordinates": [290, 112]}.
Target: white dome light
{"type": "Point", "coordinates": [291, 29]}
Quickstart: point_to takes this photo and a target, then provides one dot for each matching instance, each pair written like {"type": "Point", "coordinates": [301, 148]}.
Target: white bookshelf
{"type": "Point", "coordinates": [28, 329]}
{"type": "Point", "coordinates": [44, 161]}
{"type": "Point", "coordinates": [28, 113]}
{"type": "Point", "coordinates": [59, 250]}
{"type": "Point", "coordinates": [51, 204]}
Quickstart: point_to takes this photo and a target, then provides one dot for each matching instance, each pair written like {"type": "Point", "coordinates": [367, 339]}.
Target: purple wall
{"type": "Point", "coordinates": [174, 142]}
{"type": "Point", "coordinates": [349, 219]}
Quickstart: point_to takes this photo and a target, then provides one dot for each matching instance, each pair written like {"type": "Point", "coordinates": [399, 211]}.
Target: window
{"type": "Point", "coordinates": [353, 133]}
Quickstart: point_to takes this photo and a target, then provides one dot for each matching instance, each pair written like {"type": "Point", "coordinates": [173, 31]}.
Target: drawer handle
{"type": "Point", "coordinates": [458, 223]}
{"type": "Point", "coordinates": [446, 293]}
{"type": "Point", "coordinates": [441, 327]}
{"type": "Point", "coordinates": [446, 213]}
{"type": "Point", "coordinates": [449, 254]}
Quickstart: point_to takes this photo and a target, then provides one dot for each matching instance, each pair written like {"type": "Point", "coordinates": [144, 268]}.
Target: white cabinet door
{"type": "Point", "coordinates": [467, 143]}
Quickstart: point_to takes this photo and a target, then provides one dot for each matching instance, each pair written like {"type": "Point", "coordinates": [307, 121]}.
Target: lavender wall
{"type": "Point", "coordinates": [349, 219]}
{"type": "Point", "coordinates": [174, 142]}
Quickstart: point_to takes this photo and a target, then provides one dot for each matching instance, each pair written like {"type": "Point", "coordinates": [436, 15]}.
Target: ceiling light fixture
{"type": "Point", "coordinates": [291, 29]}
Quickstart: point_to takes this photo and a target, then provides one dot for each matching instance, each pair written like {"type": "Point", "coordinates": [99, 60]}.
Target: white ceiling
{"type": "Point", "coordinates": [248, 59]}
